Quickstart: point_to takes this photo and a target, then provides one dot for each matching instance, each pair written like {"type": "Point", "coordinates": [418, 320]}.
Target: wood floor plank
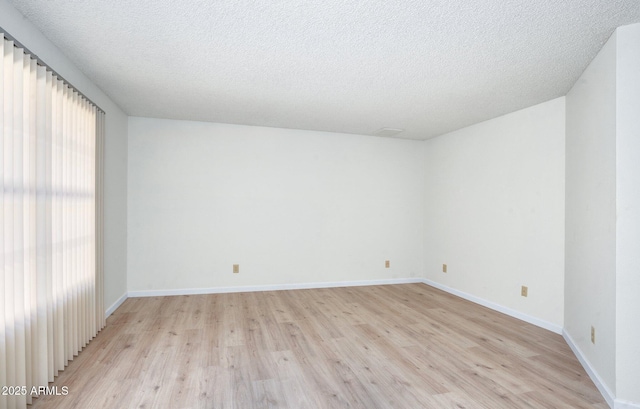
{"type": "Point", "coordinates": [394, 346]}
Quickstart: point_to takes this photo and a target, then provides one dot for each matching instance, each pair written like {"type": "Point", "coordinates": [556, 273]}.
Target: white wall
{"type": "Point", "coordinates": [494, 210]}
{"type": "Point", "coordinates": [628, 214]}
{"type": "Point", "coordinates": [289, 206]}
{"type": "Point", "coordinates": [590, 291]}
{"type": "Point", "coordinates": [115, 206]}
{"type": "Point", "coordinates": [115, 146]}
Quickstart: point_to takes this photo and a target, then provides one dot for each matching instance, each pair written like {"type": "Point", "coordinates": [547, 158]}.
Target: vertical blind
{"type": "Point", "coordinates": [51, 302]}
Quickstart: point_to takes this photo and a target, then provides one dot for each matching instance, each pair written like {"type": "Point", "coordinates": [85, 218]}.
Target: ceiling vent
{"type": "Point", "coordinates": [387, 132]}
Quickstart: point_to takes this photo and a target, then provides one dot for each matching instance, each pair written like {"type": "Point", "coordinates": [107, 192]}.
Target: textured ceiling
{"type": "Point", "coordinates": [425, 66]}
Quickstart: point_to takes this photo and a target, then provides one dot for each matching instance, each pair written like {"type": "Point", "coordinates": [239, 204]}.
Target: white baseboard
{"type": "Point", "coordinates": [116, 304]}
{"type": "Point", "coordinates": [602, 387]}
{"type": "Point", "coordinates": [623, 404]}
{"type": "Point", "coordinates": [273, 287]}
{"type": "Point", "coordinates": [299, 286]}
{"type": "Point", "coordinates": [497, 307]}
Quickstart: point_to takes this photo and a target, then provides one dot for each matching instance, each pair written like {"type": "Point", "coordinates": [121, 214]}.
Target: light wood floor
{"type": "Point", "coordinates": [394, 346]}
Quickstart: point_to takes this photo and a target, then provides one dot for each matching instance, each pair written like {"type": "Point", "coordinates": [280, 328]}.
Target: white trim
{"type": "Point", "coordinates": [602, 387]}
{"type": "Point", "coordinates": [600, 384]}
{"type": "Point", "coordinates": [116, 304]}
{"type": "Point", "coordinates": [272, 287]}
{"type": "Point", "coordinates": [624, 404]}
{"type": "Point", "coordinates": [497, 307]}
{"type": "Point", "coordinates": [300, 286]}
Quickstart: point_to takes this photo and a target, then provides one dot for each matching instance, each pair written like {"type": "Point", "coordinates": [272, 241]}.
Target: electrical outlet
{"type": "Point", "coordinates": [444, 268]}
{"type": "Point", "coordinates": [236, 268]}
{"type": "Point", "coordinates": [524, 291]}
{"type": "Point", "coordinates": [593, 335]}
{"type": "Point", "coordinates": [387, 264]}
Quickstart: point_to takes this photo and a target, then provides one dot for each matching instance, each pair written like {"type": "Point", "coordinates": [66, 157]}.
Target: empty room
{"type": "Point", "coordinates": [335, 204]}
